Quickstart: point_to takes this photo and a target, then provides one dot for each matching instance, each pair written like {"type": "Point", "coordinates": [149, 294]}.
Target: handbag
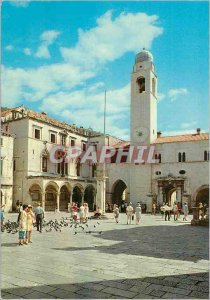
{"type": "Point", "coordinates": [132, 217]}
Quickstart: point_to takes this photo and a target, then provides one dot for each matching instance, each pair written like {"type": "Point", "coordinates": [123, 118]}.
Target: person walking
{"type": "Point", "coordinates": [185, 211]}
{"type": "Point", "coordinates": [167, 210]}
{"type": "Point", "coordinates": [23, 225]}
{"type": "Point", "coordinates": [74, 211]}
{"type": "Point", "coordinates": [179, 209]}
{"type": "Point", "coordinates": [175, 211]}
{"type": "Point", "coordinates": [20, 209]}
{"type": "Point", "coordinates": [86, 216]}
{"type": "Point", "coordinates": [162, 210]}
{"type": "Point", "coordinates": [200, 211]}
{"type": "Point", "coordinates": [153, 208]}
{"type": "Point", "coordinates": [116, 213]}
{"type": "Point", "coordinates": [39, 213]}
{"type": "Point", "coordinates": [81, 213]}
{"type": "Point", "coordinates": [30, 221]}
{"type": "Point", "coordinates": [2, 214]}
{"type": "Point", "coordinates": [138, 213]}
{"type": "Point", "coordinates": [129, 213]}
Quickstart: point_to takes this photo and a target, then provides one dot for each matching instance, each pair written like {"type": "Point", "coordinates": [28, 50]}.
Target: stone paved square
{"type": "Point", "coordinates": [155, 259]}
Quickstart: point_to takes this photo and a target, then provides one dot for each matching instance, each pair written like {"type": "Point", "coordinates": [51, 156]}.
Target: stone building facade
{"type": "Point", "coordinates": [36, 177]}
{"type": "Point", "coordinates": [179, 169]}
{"type": "Point", "coordinates": [7, 142]}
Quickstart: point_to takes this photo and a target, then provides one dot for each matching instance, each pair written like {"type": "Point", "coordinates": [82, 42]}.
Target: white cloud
{"type": "Point", "coordinates": [34, 84]}
{"type": "Point", "coordinates": [87, 107]}
{"type": "Point", "coordinates": [186, 125]}
{"type": "Point", "coordinates": [174, 93]}
{"type": "Point", "coordinates": [9, 48]}
{"type": "Point", "coordinates": [178, 132]}
{"type": "Point", "coordinates": [112, 38]}
{"type": "Point", "coordinates": [161, 97]}
{"type": "Point", "coordinates": [27, 51]}
{"type": "Point", "coordinates": [64, 88]}
{"type": "Point", "coordinates": [43, 52]}
{"type": "Point", "coordinates": [47, 38]}
{"type": "Point", "coordinates": [18, 3]}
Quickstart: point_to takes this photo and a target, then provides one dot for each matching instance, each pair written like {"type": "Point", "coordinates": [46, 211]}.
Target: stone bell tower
{"type": "Point", "coordinates": [143, 100]}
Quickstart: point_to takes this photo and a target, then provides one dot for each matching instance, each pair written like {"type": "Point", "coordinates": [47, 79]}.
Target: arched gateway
{"type": "Point", "coordinates": [51, 192]}
{"type": "Point", "coordinates": [202, 195]}
{"type": "Point", "coordinates": [77, 194]}
{"type": "Point", "coordinates": [64, 198]}
{"type": "Point", "coordinates": [89, 196]}
{"type": "Point", "coordinates": [120, 194]}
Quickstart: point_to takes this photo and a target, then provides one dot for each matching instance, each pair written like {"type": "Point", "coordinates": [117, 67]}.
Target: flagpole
{"type": "Point", "coordinates": [104, 164]}
{"type": "Point", "coordinates": [105, 113]}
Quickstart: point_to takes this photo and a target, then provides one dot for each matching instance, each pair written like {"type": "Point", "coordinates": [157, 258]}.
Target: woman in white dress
{"type": "Point", "coordinates": [81, 213]}
{"type": "Point", "coordinates": [86, 211]}
{"type": "Point", "coordinates": [138, 213]}
{"type": "Point", "coordinates": [23, 225]}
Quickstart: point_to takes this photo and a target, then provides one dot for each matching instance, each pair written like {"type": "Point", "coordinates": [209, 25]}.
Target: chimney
{"type": "Point", "coordinates": [159, 134]}
{"type": "Point", "coordinates": [198, 130]}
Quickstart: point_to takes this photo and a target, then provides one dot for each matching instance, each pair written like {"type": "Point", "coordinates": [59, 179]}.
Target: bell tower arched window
{"type": "Point", "coordinates": [141, 84]}
{"type": "Point", "coordinates": [206, 155]}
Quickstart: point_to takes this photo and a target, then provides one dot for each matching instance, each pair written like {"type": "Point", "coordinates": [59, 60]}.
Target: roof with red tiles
{"type": "Point", "coordinates": [122, 144]}
{"type": "Point", "coordinates": [182, 138]}
{"type": "Point", "coordinates": [43, 117]}
{"type": "Point", "coordinates": [173, 139]}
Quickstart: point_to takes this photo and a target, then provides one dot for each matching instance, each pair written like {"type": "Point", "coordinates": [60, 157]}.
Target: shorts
{"type": "Point", "coordinates": [22, 234]}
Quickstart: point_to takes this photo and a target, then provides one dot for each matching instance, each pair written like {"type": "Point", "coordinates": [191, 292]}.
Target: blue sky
{"type": "Point", "coordinates": [58, 57]}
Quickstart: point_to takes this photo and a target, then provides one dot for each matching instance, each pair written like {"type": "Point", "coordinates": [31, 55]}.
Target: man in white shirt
{"type": "Point", "coordinates": [129, 213]}
{"type": "Point", "coordinates": [175, 211]}
{"type": "Point", "coordinates": [39, 213]}
{"type": "Point", "coordinates": [185, 211]}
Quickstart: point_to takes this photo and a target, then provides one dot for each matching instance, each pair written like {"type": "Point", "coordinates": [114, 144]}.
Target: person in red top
{"type": "Point", "coordinates": [74, 210]}
{"type": "Point", "coordinates": [179, 209]}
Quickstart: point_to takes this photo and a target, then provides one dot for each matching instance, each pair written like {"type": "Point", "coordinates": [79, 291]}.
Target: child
{"type": "Point", "coordinates": [2, 214]}
{"type": "Point", "coordinates": [116, 213]}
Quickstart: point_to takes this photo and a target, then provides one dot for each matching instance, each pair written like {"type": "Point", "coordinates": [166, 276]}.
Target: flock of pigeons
{"type": "Point", "coordinates": [13, 227]}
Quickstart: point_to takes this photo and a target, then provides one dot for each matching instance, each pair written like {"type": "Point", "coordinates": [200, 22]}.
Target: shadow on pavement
{"type": "Point", "coordinates": [10, 244]}
{"type": "Point", "coordinates": [169, 242]}
{"type": "Point", "coordinates": [188, 286]}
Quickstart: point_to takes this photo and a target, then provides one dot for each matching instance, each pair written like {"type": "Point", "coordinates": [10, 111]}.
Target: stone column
{"type": "Point", "coordinates": [160, 195]}
{"type": "Point", "coordinates": [43, 200]}
{"type": "Point", "coordinates": [83, 194]}
{"type": "Point", "coordinates": [179, 195]}
{"type": "Point", "coordinates": [94, 198]}
{"type": "Point", "coordinates": [58, 201]}
{"type": "Point", "coordinates": [71, 195]}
